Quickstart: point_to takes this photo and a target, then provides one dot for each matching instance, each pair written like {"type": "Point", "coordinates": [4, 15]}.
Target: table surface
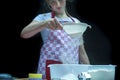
{"type": "Point", "coordinates": [25, 79]}
{"type": "Point", "coordinates": [22, 79]}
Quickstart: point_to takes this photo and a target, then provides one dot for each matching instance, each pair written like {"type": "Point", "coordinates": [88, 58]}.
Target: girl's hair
{"type": "Point", "coordinates": [70, 4]}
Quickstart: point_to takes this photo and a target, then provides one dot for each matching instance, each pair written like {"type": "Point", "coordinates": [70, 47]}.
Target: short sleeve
{"type": "Point", "coordinates": [42, 17]}
{"type": "Point", "coordinates": [76, 20]}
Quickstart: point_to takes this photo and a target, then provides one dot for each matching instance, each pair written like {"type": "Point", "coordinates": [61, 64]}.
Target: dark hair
{"type": "Point", "coordinates": [70, 7]}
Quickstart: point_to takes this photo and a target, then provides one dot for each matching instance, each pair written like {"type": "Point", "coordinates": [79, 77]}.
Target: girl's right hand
{"type": "Point", "coordinates": [53, 24]}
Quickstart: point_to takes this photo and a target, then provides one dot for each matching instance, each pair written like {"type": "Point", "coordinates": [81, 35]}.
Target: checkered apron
{"type": "Point", "coordinates": [58, 47]}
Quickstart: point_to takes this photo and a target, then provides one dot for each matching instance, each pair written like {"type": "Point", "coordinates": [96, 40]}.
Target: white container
{"type": "Point", "coordinates": [66, 71]}
{"type": "Point", "coordinates": [71, 71]}
{"type": "Point", "coordinates": [102, 72]}
{"type": "Point", "coordinates": [73, 28]}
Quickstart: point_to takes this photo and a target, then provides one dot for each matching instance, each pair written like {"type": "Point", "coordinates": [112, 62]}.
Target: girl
{"type": "Point", "coordinates": [58, 44]}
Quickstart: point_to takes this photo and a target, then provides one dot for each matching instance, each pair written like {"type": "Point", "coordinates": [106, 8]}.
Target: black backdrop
{"type": "Point", "coordinates": [100, 41]}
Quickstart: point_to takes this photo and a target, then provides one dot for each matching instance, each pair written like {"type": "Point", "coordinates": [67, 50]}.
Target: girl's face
{"type": "Point", "coordinates": [57, 5]}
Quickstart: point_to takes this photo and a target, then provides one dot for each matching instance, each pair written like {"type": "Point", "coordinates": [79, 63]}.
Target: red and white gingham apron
{"type": "Point", "coordinates": [58, 47]}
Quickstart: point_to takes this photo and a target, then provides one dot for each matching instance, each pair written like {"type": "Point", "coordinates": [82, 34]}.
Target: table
{"type": "Point", "coordinates": [25, 79]}
{"type": "Point", "coordinates": [22, 79]}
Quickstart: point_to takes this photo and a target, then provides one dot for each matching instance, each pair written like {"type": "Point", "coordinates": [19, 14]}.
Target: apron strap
{"type": "Point", "coordinates": [53, 14]}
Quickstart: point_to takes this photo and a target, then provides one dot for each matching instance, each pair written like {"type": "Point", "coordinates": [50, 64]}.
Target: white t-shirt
{"type": "Point", "coordinates": [45, 32]}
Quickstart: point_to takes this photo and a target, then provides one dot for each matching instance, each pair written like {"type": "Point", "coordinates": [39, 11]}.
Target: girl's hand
{"type": "Point", "coordinates": [54, 24]}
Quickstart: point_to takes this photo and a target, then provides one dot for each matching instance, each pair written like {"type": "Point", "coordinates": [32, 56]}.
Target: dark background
{"type": "Point", "coordinates": [100, 42]}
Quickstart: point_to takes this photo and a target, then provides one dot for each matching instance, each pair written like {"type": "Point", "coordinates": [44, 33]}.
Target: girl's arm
{"type": "Point", "coordinates": [83, 58]}
{"type": "Point", "coordinates": [35, 27]}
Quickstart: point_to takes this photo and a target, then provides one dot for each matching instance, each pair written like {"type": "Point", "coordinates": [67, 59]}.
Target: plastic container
{"type": "Point", "coordinates": [73, 28]}
{"type": "Point", "coordinates": [5, 76]}
{"type": "Point", "coordinates": [102, 72]}
{"type": "Point", "coordinates": [66, 71]}
{"type": "Point", "coordinates": [71, 72]}
{"type": "Point", "coordinates": [35, 76]}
